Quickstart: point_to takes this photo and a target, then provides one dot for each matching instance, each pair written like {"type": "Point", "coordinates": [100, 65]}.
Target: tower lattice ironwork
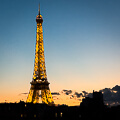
{"type": "Point", "coordinates": [39, 85]}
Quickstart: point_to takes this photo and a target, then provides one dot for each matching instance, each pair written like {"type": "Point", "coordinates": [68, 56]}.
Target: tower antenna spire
{"type": "Point", "coordinates": [39, 9]}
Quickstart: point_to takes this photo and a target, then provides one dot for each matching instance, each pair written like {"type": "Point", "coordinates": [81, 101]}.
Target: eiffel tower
{"type": "Point", "coordinates": [39, 85]}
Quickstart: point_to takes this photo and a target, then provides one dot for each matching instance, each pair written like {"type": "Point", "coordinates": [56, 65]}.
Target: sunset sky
{"type": "Point", "coordinates": [81, 42]}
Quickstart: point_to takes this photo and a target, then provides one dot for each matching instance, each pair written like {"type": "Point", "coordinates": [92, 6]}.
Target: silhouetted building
{"type": "Point", "coordinates": [90, 109]}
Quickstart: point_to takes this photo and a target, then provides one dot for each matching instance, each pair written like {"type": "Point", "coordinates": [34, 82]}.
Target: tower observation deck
{"type": "Point", "coordinates": [39, 85]}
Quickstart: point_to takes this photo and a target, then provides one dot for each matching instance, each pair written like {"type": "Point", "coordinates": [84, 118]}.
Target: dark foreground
{"type": "Point", "coordinates": [89, 109]}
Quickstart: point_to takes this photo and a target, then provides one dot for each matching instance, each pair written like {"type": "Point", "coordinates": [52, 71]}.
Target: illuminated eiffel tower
{"type": "Point", "coordinates": [39, 85]}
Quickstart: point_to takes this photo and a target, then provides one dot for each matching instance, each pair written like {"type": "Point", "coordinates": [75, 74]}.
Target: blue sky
{"type": "Point", "coordinates": [81, 42]}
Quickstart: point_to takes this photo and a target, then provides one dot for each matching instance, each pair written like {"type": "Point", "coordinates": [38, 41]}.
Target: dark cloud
{"type": "Point", "coordinates": [67, 92]}
{"type": "Point", "coordinates": [23, 93]}
{"type": "Point", "coordinates": [55, 93]}
{"type": "Point", "coordinates": [111, 96]}
{"type": "Point", "coordinates": [116, 88]}
{"type": "Point", "coordinates": [78, 94]}
{"type": "Point", "coordinates": [108, 95]}
{"type": "Point", "coordinates": [72, 96]}
{"type": "Point", "coordinates": [84, 93]}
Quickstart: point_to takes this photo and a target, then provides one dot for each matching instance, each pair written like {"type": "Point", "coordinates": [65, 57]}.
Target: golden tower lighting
{"type": "Point", "coordinates": [39, 85]}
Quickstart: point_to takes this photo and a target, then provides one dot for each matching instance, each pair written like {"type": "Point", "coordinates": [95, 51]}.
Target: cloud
{"type": "Point", "coordinates": [84, 93]}
{"type": "Point", "coordinates": [67, 92]}
{"type": "Point", "coordinates": [23, 93]}
{"type": "Point", "coordinates": [111, 96]}
{"type": "Point", "coordinates": [55, 93]}
{"type": "Point", "coordinates": [78, 94]}
{"type": "Point", "coordinates": [116, 88]}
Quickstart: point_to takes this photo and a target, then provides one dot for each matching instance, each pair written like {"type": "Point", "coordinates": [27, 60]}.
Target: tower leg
{"type": "Point", "coordinates": [46, 96]}
{"type": "Point", "coordinates": [29, 98]}
{"type": "Point", "coordinates": [33, 96]}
